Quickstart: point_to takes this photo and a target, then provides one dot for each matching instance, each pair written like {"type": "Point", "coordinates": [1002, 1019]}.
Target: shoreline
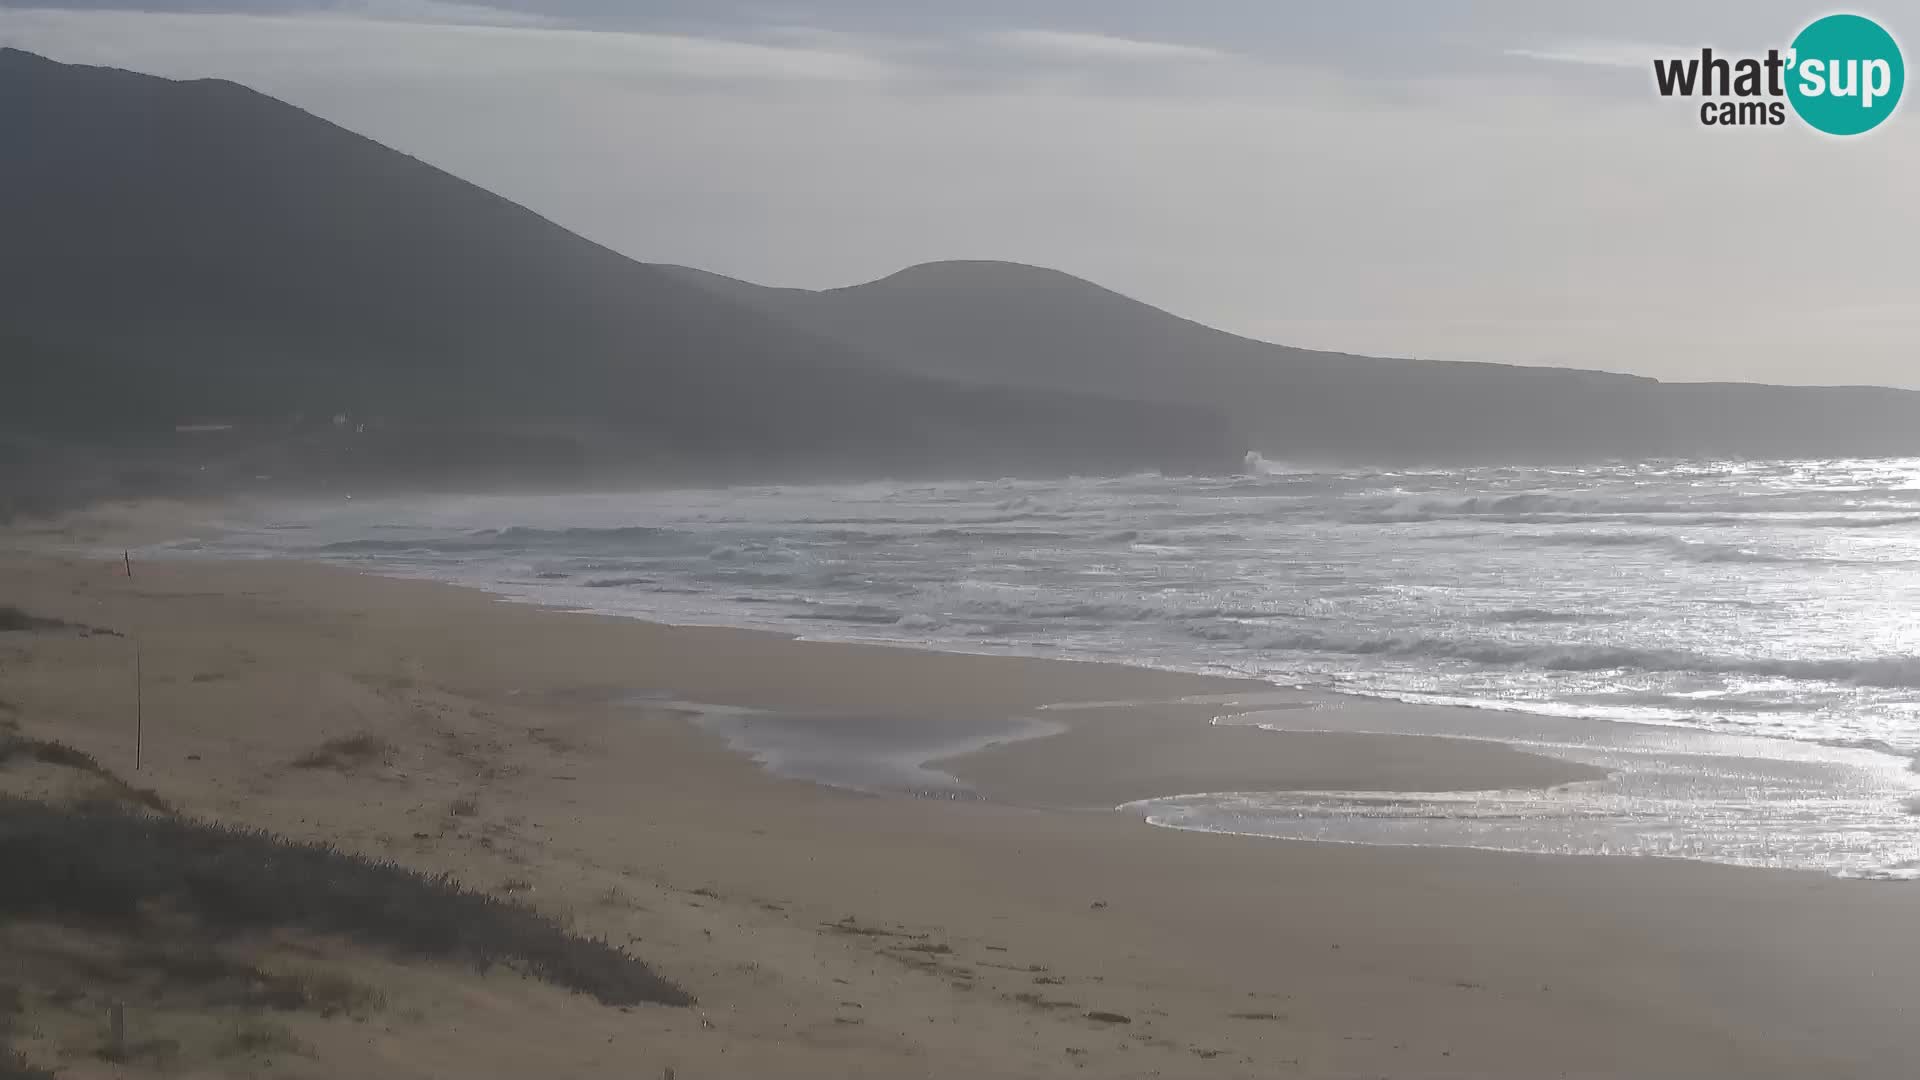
{"type": "Point", "coordinates": [1066, 689]}
{"type": "Point", "coordinates": [984, 934]}
{"type": "Point", "coordinates": [1450, 763]}
{"type": "Point", "coordinates": [1088, 766]}
{"type": "Point", "coordinates": [1409, 751]}
{"type": "Point", "coordinates": [149, 523]}
{"type": "Point", "coordinates": [1091, 766]}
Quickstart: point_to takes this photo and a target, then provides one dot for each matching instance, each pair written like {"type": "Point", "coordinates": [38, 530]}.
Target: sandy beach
{"type": "Point", "coordinates": [831, 933]}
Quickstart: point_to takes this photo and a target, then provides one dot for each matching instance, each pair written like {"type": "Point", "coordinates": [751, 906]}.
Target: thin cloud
{"type": "Point", "coordinates": [1072, 45]}
{"type": "Point", "coordinates": [1615, 54]}
{"type": "Point", "coordinates": [437, 13]}
{"type": "Point", "coordinates": [375, 37]}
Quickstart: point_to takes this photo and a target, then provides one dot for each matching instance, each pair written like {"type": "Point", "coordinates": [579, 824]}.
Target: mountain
{"type": "Point", "coordinates": [199, 279]}
{"type": "Point", "coordinates": [199, 255]}
{"type": "Point", "coordinates": [1009, 324]}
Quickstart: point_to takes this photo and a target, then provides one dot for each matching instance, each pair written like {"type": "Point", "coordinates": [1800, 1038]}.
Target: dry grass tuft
{"type": "Point", "coordinates": [252, 1037]}
{"type": "Point", "coordinates": [109, 790]}
{"type": "Point", "coordinates": [346, 753]}
{"type": "Point", "coordinates": [15, 1067]}
{"type": "Point", "coordinates": [111, 868]}
{"type": "Point", "coordinates": [12, 618]}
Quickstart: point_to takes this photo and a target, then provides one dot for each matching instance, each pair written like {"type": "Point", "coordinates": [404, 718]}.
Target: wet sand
{"type": "Point", "coordinates": [1110, 756]}
{"type": "Point", "coordinates": [834, 933]}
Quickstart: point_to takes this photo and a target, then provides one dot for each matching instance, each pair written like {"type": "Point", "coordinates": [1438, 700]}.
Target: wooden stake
{"type": "Point", "coordinates": [128, 557]}
{"type": "Point", "coordinates": [116, 1032]}
{"type": "Point", "coordinates": [139, 709]}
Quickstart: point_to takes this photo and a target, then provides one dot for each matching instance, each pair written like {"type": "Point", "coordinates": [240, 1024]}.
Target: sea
{"type": "Point", "coordinates": [1736, 642]}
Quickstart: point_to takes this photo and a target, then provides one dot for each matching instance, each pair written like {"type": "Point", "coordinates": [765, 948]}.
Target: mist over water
{"type": "Point", "coordinates": [1770, 599]}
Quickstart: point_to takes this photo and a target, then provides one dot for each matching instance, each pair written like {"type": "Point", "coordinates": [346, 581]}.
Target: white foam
{"type": "Point", "coordinates": [1669, 793]}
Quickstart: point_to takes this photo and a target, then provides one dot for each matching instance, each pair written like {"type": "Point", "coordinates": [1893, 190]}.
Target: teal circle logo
{"type": "Point", "coordinates": [1845, 74]}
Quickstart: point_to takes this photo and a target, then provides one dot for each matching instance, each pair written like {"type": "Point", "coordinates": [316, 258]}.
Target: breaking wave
{"type": "Point", "coordinates": [1890, 671]}
{"type": "Point", "coordinates": [1539, 615]}
{"type": "Point", "coordinates": [516, 538]}
{"type": "Point", "coordinates": [1539, 508]}
{"type": "Point", "coordinates": [1678, 547]}
{"type": "Point", "coordinates": [1733, 596]}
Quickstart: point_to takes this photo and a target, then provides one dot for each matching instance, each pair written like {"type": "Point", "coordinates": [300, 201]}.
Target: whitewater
{"type": "Point", "coordinates": [1766, 604]}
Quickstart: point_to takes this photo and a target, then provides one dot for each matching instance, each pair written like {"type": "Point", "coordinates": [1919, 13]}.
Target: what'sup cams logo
{"type": "Point", "coordinates": [1842, 75]}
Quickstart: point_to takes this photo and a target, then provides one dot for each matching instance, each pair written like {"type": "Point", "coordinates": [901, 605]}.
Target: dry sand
{"type": "Point", "coordinates": [828, 933]}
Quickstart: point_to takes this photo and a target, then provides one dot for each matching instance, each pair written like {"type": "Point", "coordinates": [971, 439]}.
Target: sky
{"type": "Point", "coordinates": [1495, 180]}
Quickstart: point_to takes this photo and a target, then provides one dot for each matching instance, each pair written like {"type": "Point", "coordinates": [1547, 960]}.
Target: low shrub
{"type": "Point", "coordinates": [108, 866]}
{"type": "Point", "coordinates": [347, 752]}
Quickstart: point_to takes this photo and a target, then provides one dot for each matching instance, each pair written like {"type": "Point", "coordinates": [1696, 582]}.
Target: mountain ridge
{"type": "Point", "coordinates": [1041, 328]}
{"type": "Point", "coordinates": [182, 252]}
{"type": "Point", "coordinates": [189, 250]}
{"type": "Point", "coordinates": [942, 266]}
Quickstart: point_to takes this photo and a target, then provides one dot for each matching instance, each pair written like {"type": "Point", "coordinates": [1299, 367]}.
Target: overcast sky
{"type": "Point", "coordinates": [1488, 181]}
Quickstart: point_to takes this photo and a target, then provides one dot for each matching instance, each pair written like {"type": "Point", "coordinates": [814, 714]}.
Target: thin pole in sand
{"type": "Point", "coordinates": [116, 1032]}
{"type": "Point", "coordinates": [128, 557]}
{"type": "Point", "coordinates": [139, 709]}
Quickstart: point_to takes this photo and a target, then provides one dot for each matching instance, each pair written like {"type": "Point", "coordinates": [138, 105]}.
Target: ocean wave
{"type": "Point", "coordinates": [1599, 539]}
{"type": "Point", "coordinates": [736, 574]}
{"type": "Point", "coordinates": [578, 533]}
{"type": "Point", "coordinates": [1119, 611]}
{"type": "Point", "coordinates": [1813, 509]}
{"type": "Point", "coordinates": [1177, 539]}
{"type": "Point", "coordinates": [1539, 615]}
{"type": "Point", "coordinates": [349, 547]}
{"type": "Point", "coordinates": [1698, 582]}
{"type": "Point", "coordinates": [942, 519]}
{"type": "Point", "coordinates": [1023, 535]}
{"type": "Point", "coordinates": [751, 552]}
{"type": "Point", "coordinates": [1256, 464]}
{"type": "Point", "coordinates": [1679, 547]}
{"type": "Point", "coordinates": [859, 615]}
{"type": "Point", "coordinates": [1094, 610]}
{"type": "Point", "coordinates": [1766, 519]}
{"type": "Point", "coordinates": [1526, 503]}
{"type": "Point", "coordinates": [1419, 516]}
{"type": "Point", "coordinates": [1221, 632]}
{"type": "Point", "coordinates": [1845, 522]}
{"type": "Point", "coordinates": [1885, 671]}
{"type": "Point", "coordinates": [516, 538]}
{"type": "Point", "coordinates": [1716, 553]}
{"type": "Point", "coordinates": [1878, 746]}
